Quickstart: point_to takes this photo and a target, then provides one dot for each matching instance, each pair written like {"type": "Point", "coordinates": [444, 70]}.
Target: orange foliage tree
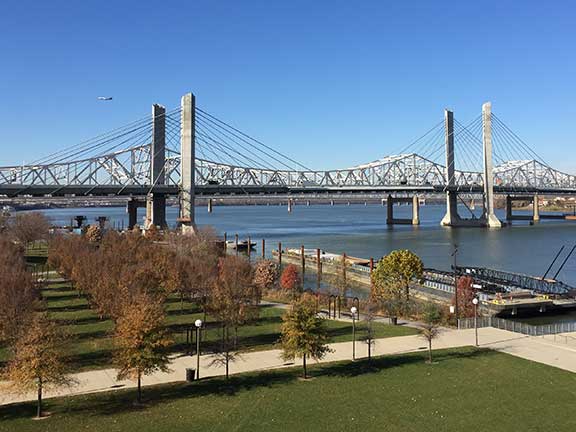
{"type": "Point", "coordinates": [291, 280]}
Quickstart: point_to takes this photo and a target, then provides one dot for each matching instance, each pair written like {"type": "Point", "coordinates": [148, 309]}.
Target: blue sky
{"type": "Point", "coordinates": [331, 83]}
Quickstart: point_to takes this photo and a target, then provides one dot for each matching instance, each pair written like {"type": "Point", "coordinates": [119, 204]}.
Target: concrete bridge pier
{"type": "Point", "coordinates": [391, 220]}
{"type": "Point", "coordinates": [188, 164]}
{"type": "Point", "coordinates": [209, 205]}
{"type": "Point", "coordinates": [290, 205]}
{"type": "Point", "coordinates": [535, 208]}
{"type": "Point", "coordinates": [132, 206]}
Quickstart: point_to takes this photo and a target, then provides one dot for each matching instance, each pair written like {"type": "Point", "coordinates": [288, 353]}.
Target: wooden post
{"type": "Point", "coordinates": [371, 270]}
{"type": "Point", "coordinates": [303, 260]}
{"type": "Point", "coordinates": [236, 243]}
{"type": "Point", "coordinates": [280, 255]}
{"type": "Point", "coordinates": [263, 249]}
{"type": "Point", "coordinates": [344, 266]}
{"type": "Point", "coordinates": [318, 262]}
{"type": "Point", "coordinates": [249, 247]}
{"type": "Point", "coordinates": [225, 242]}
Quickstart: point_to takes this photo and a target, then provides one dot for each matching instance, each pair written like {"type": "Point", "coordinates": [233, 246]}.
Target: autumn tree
{"type": "Point", "coordinates": [141, 340]}
{"type": "Point", "coordinates": [18, 292]}
{"type": "Point", "coordinates": [266, 274]}
{"type": "Point", "coordinates": [28, 227]}
{"type": "Point", "coordinates": [465, 294]}
{"type": "Point", "coordinates": [153, 233]}
{"type": "Point", "coordinates": [94, 234]}
{"type": "Point", "coordinates": [303, 333]}
{"type": "Point", "coordinates": [36, 361]}
{"type": "Point", "coordinates": [430, 327]}
{"type": "Point", "coordinates": [196, 260]}
{"type": "Point", "coordinates": [234, 298]}
{"type": "Point", "coordinates": [291, 280]}
{"type": "Point", "coordinates": [401, 267]}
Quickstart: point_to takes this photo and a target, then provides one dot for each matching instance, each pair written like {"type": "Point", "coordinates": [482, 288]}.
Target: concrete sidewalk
{"type": "Point", "coordinates": [534, 349]}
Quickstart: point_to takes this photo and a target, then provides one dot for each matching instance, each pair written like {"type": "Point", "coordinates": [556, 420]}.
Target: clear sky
{"type": "Point", "coordinates": [331, 83]}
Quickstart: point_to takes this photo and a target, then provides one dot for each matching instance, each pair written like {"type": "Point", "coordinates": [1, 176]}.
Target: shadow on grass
{"type": "Point", "coordinates": [60, 296]}
{"type": "Point", "coordinates": [122, 401]}
{"type": "Point", "coordinates": [70, 308]}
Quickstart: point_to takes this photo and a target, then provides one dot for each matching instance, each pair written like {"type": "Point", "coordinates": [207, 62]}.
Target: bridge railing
{"type": "Point", "coordinates": [519, 327]}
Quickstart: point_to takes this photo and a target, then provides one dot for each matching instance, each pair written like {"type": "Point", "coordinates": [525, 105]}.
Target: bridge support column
{"type": "Point", "coordinates": [389, 210]}
{"type": "Point", "coordinates": [535, 209]}
{"type": "Point", "coordinates": [209, 205]}
{"type": "Point", "coordinates": [508, 208]}
{"type": "Point", "coordinates": [188, 163]}
{"type": "Point", "coordinates": [289, 205]}
{"type": "Point", "coordinates": [415, 210]}
{"type": "Point", "coordinates": [491, 219]}
{"type": "Point", "coordinates": [391, 220]}
{"type": "Point", "coordinates": [156, 202]}
{"type": "Point", "coordinates": [451, 218]}
{"type": "Point", "coordinates": [132, 210]}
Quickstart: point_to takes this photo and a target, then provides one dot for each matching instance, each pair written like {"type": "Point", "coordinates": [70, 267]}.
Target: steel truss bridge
{"type": "Point", "coordinates": [228, 161]}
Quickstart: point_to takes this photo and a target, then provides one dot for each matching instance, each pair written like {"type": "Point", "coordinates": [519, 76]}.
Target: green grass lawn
{"type": "Point", "coordinates": [90, 345]}
{"type": "Point", "coordinates": [465, 390]}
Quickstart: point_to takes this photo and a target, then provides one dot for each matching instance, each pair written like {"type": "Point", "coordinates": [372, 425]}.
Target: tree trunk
{"type": "Point", "coordinates": [139, 397]}
{"type": "Point", "coordinates": [39, 408]}
{"type": "Point", "coordinates": [304, 365]}
{"type": "Point", "coordinates": [227, 363]}
{"type": "Point", "coordinates": [430, 351]}
{"type": "Point", "coordinates": [369, 349]}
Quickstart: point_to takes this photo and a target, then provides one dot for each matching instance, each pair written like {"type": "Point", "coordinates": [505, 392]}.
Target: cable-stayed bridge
{"type": "Point", "coordinates": [187, 152]}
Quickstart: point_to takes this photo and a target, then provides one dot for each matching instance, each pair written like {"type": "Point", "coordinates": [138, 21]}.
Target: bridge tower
{"type": "Point", "coordinates": [490, 218]}
{"type": "Point", "coordinates": [451, 218]}
{"type": "Point", "coordinates": [156, 202]}
{"type": "Point", "coordinates": [187, 163]}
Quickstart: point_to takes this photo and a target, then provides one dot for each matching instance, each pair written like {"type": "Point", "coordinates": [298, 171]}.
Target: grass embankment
{"type": "Point", "coordinates": [90, 345]}
{"type": "Point", "coordinates": [466, 389]}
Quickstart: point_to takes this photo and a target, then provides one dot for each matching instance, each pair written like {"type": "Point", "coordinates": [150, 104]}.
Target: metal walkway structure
{"type": "Point", "coordinates": [188, 152]}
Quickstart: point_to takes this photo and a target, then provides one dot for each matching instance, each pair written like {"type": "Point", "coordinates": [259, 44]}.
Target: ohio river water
{"type": "Point", "coordinates": [361, 231]}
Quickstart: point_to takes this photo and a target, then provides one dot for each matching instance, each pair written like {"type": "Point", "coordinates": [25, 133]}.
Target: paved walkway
{"type": "Point", "coordinates": [536, 349]}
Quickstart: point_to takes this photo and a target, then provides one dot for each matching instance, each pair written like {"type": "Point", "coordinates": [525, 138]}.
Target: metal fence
{"type": "Point", "coordinates": [519, 327]}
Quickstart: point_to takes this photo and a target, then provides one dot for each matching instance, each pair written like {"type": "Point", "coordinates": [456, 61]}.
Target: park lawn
{"type": "Point", "coordinates": [465, 389]}
{"type": "Point", "coordinates": [90, 344]}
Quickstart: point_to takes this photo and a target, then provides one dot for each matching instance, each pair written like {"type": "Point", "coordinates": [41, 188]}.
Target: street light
{"type": "Point", "coordinates": [475, 303]}
{"type": "Point", "coordinates": [198, 323]}
{"type": "Point", "coordinates": [354, 311]}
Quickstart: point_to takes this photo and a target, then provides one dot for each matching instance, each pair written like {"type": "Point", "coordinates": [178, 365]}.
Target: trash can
{"type": "Point", "coordinates": [190, 374]}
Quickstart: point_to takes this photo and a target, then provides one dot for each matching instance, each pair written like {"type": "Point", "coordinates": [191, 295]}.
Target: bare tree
{"type": "Point", "coordinates": [430, 328]}
{"type": "Point", "coordinates": [28, 227]}
{"type": "Point", "coordinates": [369, 317]}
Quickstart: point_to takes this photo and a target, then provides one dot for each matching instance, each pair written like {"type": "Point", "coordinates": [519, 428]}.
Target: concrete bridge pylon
{"type": "Point", "coordinates": [490, 218]}
{"type": "Point", "coordinates": [187, 163]}
{"type": "Point", "coordinates": [156, 202]}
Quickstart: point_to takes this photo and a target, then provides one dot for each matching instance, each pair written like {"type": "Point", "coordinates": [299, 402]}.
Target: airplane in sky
{"type": "Point", "coordinates": [105, 98]}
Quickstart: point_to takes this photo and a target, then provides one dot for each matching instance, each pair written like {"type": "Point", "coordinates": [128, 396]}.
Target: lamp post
{"type": "Point", "coordinates": [475, 303]}
{"type": "Point", "coordinates": [198, 323]}
{"type": "Point", "coordinates": [354, 311]}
